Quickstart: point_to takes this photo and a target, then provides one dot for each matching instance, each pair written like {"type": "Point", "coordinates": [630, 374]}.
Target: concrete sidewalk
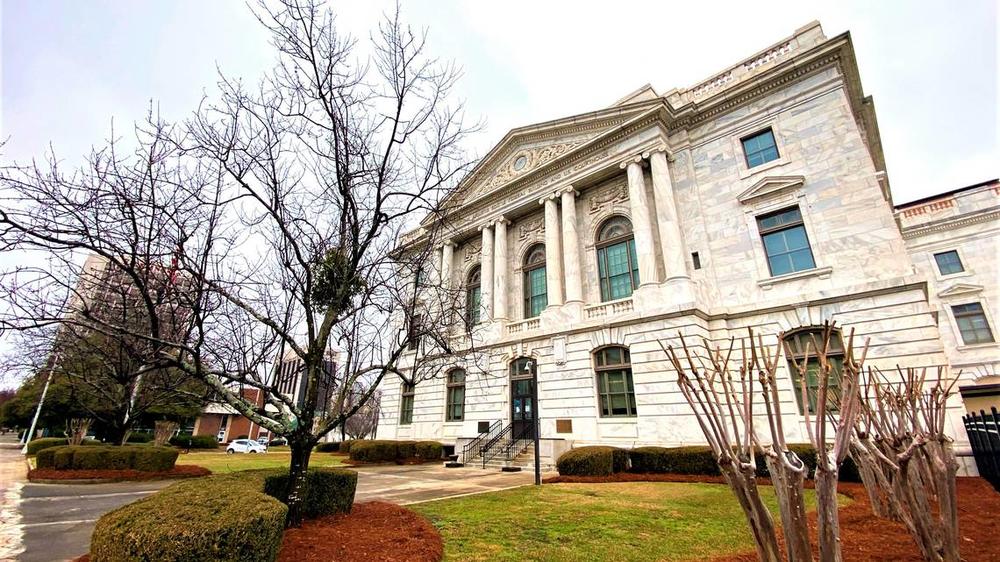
{"type": "Point", "coordinates": [411, 484]}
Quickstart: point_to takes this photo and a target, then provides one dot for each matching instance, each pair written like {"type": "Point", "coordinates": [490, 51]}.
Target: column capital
{"type": "Point", "coordinates": [486, 225]}
{"type": "Point", "coordinates": [661, 148]}
{"type": "Point", "coordinates": [637, 159]}
{"type": "Point", "coordinates": [500, 220]}
{"type": "Point", "coordinates": [550, 197]}
{"type": "Point", "coordinates": [568, 189]}
{"type": "Point", "coordinates": [448, 242]}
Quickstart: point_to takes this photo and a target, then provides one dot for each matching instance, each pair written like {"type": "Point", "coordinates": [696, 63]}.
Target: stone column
{"type": "Point", "coordinates": [447, 261]}
{"type": "Point", "coordinates": [571, 246]}
{"type": "Point", "coordinates": [500, 274]}
{"type": "Point", "coordinates": [553, 252]}
{"type": "Point", "coordinates": [671, 242]}
{"type": "Point", "coordinates": [486, 274]}
{"type": "Point", "coordinates": [641, 228]}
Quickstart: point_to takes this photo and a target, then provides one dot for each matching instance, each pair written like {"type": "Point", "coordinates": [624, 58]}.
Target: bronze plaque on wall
{"type": "Point", "coordinates": [564, 426]}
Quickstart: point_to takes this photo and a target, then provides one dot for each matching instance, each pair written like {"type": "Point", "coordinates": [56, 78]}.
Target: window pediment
{"type": "Point", "coordinates": [769, 186]}
{"type": "Point", "coordinates": [960, 289]}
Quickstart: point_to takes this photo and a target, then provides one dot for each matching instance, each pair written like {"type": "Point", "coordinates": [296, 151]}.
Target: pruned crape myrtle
{"type": "Point", "coordinates": [281, 205]}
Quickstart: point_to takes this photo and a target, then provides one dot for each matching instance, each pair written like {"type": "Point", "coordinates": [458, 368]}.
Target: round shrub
{"type": "Point", "coordinates": [650, 459]}
{"type": "Point", "coordinates": [592, 461]}
{"type": "Point", "coordinates": [429, 450]}
{"type": "Point", "coordinates": [328, 447]}
{"type": "Point", "coordinates": [345, 445]}
{"type": "Point", "coordinates": [327, 491]}
{"type": "Point", "coordinates": [374, 451]}
{"type": "Point", "coordinates": [139, 437]}
{"type": "Point", "coordinates": [36, 445]}
{"type": "Point", "coordinates": [807, 453]}
{"type": "Point", "coordinates": [225, 518]}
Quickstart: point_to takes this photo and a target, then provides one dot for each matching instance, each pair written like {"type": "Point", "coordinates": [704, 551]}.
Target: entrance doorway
{"type": "Point", "coordinates": [523, 410]}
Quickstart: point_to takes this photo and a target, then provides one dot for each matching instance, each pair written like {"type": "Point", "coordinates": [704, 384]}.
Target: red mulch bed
{"type": "Point", "coordinates": [179, 471]}
{"type": "Point", "coordinates": [371, 531]}
{"type": "Point", "coordinates": [865, 537]}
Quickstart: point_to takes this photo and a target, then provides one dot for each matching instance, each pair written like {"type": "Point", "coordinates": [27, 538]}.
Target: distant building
{"type": "Point", "coordinates": [954, 241]}
{"type": "Point", "coordinates": [225, 423]}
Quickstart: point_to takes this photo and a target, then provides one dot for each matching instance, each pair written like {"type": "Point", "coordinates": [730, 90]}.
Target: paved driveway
{"type": "Point", "coordinates": [53, 522]}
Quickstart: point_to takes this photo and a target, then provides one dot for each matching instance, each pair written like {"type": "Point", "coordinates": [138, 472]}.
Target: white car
{"type": "Point", "coordinates": [245, 446]}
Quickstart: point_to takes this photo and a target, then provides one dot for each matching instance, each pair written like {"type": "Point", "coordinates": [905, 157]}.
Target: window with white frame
{"type": "Point", "coordinates": [972, 323]}
{"type": "Point", "coordinates": [785, 241]}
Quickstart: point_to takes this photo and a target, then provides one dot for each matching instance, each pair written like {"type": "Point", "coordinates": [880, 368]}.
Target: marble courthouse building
{"type": "Point", "coordinates": [757, 198]}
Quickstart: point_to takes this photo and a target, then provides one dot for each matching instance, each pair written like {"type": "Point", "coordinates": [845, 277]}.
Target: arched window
{"type": "Point", "coordinates": [406, 403]}
{"type": "Point", "coordinates": [536, 295]}
{"type": "Point", "coordinates": [473, 297]}
{"type": "Point", "coordinates": [455, 402]}
{"type": "Point", "coordinates": [795, 343]}
{"type": "Point", "coordinates": [617, 264]}
{"type": "Point", "coordinates": [613, 367]}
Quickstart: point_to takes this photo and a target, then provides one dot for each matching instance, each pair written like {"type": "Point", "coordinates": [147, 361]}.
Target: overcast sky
{"type": "Point", "coordinates": [70, 66]}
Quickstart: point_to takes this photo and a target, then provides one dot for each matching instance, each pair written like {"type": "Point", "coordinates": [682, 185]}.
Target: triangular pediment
{"type": "Point", "coordinates": [960, 289]}
{"type": "Point", "coordinates": [526, 150]}
{"type": "Point", "coordinates": [771, 185]}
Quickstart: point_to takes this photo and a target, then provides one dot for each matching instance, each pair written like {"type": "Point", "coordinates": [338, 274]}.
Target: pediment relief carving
{"type": "Point", "coordinates": [472, 251]}
{"type": "Point", "coordinates": [960, 289]}
{"type": "Point", "coordinates": [530, 227]}
{"type": "Point", "coordinates": [771, 185]}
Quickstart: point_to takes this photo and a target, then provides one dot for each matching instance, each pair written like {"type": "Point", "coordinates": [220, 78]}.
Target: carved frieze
{"type": "Point", "coordinates": [528, 228]}
{"type": "Point", "coordinates": [608, 196]}
{"type": "Point", "coordinates": [472, 251]}
{"type": "Point", "coordinates": [523, 161]}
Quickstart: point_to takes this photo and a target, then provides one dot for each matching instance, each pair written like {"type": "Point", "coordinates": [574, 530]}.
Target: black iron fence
{"type": "Point", "coordinates": [984, 436]}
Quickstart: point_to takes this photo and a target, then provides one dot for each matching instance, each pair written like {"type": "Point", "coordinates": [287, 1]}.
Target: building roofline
{"type": "Point", "coordinates": [930, 198]}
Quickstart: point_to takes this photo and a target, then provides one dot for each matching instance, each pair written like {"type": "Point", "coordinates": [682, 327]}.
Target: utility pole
{"type": "Point", "coordinates": [536, 430]}
{"type": "Point", "coordinates": [38, 410]}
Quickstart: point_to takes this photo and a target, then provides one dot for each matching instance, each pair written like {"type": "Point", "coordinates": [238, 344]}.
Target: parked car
{"type": "Point", "coordinates": [277, 442]}
{"type": "Point", "coordinates": [245, 446]}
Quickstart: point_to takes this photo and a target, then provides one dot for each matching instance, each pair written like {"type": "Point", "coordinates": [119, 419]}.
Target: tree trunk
{"type": "Point", "coordinates": [301, 450]}
{"type": "Point", "coordinates": [744, 487]}
{"type": "Point", "coordinates": [788, 488]}
{"type": "Point", "coordinates": [829, 521]}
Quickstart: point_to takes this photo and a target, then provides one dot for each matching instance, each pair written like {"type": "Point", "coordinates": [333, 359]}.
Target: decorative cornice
{"type": "Point", "coordinates": [960, 289]}
{"type": "Point", "coordinates": [951, 223]}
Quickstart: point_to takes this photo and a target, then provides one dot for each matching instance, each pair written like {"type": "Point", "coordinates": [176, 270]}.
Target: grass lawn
{"type": "Point", "coordinates": [615, 521]}
{"type": "Point", "coordinates": [220, 463]}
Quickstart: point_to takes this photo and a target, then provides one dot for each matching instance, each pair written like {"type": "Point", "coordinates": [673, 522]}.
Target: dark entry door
{"type": "Point", "coordinates": [522, 397]}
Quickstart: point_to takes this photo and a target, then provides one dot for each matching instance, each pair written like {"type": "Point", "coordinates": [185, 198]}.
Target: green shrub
{"type": "Point", "coordinates": [147, 459]}
{"type": "Point", "coordinates": [36, 445]}
{"type": "Point", "coordinates": [327, 491]}
{"type": "Point", "coordinates": [592, 461]}
{"type": "Point", "coordinates": [406, 449]}
{"type": "Point", "coordinates": [195, 441]}
{"type": "Point", "coordinates": [429, 450]}
{"type": "Point", "coordinates": [328, 447]}
{"type": "Point", "coordinates": [807, 453]}
{"type": "Point", "coordinates": [139, 437]}
{"type": "Point", "coordinates": [374, 451]}
{"type": "Point", "coordinates": [225, 518]}
{"type": "Point", "coordinates": [345, 445]}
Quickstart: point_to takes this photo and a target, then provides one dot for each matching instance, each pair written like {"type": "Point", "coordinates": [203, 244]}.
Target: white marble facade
{"type": "Point", "coordinates": [675, 166]}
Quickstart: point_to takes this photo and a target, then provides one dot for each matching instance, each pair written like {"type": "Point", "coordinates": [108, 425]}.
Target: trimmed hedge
{"type": "Point", "coordinates": [328, 447]}
{"type": "Point", "coordinates": [226, 518]}
{"type": "Point", "coordinates": [345, 445]}
{"type": "Point", "coordinates": [429, 450]}
{"type": "Point", "coordinates": [384, 450]}
{"type": "Point", "coordinates": [195, 441]}
{"type": "Point", "coordinates": [701, 460]}
{"type": "Point", "coordinates": [592, 461]}
{"type": "Point", "coordinates": [327, 491]}
{"type": "Point", "coordinates": [139, 437]}
{"type": "Point", "coordinates": [36, 445]}
{"type": "Point", "coordinates": [107, 457]}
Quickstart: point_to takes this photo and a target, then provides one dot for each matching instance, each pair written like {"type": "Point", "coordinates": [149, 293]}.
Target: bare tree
{"type": "Point", "coordinates": [723, 406]}
{"type": "Point", "coordinates": [283, 206]}
{"type": "Point", "coordinates": [906, 459]}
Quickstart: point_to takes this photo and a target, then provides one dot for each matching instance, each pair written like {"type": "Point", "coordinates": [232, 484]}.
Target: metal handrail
{"type": "Point", "coordinates": [507, 443]}
{"type": "Point", "coordinates": [475, 445]}
{"type": "Point", "coordinates": [495, 446]}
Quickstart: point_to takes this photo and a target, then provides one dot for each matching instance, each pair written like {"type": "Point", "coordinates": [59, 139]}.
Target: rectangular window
{"type": "Point", "coordinates": [759, 148]}
{"type": "Point", "coordinates": [614, 382]}
{"type": "Point", "coordinates": [785, 242]}
{"type": "Point", "coordinates": [406, 404]}
{"type": "Point", "coordinates": [456, 396]}
{"type": "Point", "coordinates": [618, 269]}
{"type": "Point", "coordinates": [535, 293]}
{"type": "Point", "coordinates": [413, 332]}
{"type": "Point", "coordinates": [971, 320]}
{"type": "Point", "coordinates": [473, 306]}
{"type": "Point", "coordinates": [696, 260]}
{"type": "Point", "coordinates": [949, 262]}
